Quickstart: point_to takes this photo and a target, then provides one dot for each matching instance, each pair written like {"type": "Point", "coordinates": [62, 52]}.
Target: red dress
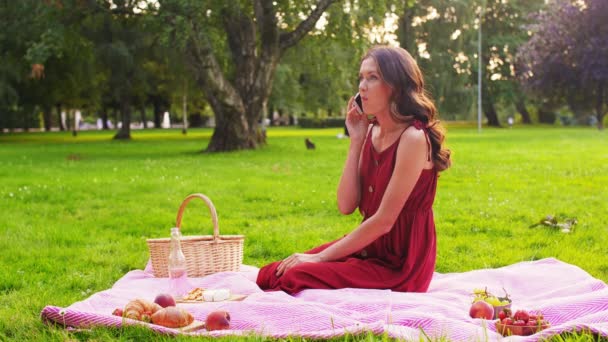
{"type": "Point", "coordinates": [401, 260]}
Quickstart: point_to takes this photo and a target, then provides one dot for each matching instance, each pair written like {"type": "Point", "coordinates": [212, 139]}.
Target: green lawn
{"type": "Point", "coordinates": [75, 212]}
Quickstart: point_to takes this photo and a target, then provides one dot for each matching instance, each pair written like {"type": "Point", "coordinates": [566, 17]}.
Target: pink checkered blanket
{"type": "Point", "coordinates": [569, 298]}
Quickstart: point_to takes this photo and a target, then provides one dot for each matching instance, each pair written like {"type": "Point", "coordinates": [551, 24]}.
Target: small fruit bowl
{"type": "Point", "coordinates": [498, 309]}
{"type": "Point", "coordinates": [521, 330]}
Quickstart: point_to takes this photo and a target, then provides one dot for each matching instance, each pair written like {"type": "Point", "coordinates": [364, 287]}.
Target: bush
{"type": "Point", "coordinates": [320, 122]}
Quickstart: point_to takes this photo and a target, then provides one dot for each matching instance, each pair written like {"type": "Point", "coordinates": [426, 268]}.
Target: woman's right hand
{"type": "Point", "coordinates": [356, 122]}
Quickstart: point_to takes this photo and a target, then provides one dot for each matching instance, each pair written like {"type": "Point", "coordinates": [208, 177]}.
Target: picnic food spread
{"type": "Point", "coordinates": [488, 306]}
{"type": "Point", "coordinates": [164, 312]}
{"type": "Point", "coordinates": [145, 311]}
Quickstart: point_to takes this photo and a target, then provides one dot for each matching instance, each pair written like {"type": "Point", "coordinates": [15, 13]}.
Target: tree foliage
{"type": "Point", "coordinates": [567, 56]}
{"type": "Point", "coordinates": [242, 59]}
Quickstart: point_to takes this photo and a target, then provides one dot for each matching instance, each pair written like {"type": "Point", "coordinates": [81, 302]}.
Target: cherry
{"type": "Point", "coordinates": [521, 315]}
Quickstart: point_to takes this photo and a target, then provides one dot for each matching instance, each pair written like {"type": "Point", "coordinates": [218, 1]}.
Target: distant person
{"type": "Point", "coordinates": [166, 121]}
{"type": "Point", "coordinates": [510, 121]}
{"type": "Point", "coordinates": [77, 119]}
{"type": "Point", "coordinates": [64, 119]}
{"type": "Point", "coordinates": [390, 175]}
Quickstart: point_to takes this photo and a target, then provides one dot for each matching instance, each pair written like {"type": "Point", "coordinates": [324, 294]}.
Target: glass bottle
{"type": "Point", "coordinates": [178, 274]}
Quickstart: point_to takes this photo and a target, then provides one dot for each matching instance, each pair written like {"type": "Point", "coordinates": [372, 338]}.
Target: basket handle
{"type": "Point", "coordinates": [182, 207]}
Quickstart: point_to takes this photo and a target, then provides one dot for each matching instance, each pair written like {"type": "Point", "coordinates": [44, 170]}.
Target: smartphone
{"type": "Point", "coordinates": [359, 103]}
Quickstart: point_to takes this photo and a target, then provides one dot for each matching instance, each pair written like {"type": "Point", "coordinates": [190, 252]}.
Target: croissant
{"type": "Point", "coordinates": [141, 310]}
{"type": "Point", "coordinates": [172, 317]}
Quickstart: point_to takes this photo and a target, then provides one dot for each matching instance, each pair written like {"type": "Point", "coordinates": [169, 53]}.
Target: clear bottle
{"type": "Point", "coordinates": [178, 274]}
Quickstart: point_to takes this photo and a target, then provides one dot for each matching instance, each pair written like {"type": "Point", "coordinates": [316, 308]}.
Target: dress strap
{"type": "Point", "coordinates": [419, 125]}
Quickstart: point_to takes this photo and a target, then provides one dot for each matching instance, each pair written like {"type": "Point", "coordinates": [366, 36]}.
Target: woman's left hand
{"type": "Point", "coordinates": [294, 260]}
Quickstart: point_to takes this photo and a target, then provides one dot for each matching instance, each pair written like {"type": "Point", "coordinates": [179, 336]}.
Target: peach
{"type": "Point", "coordinates": [164, 300]}
{"type": "Point", "coordinates": [218, 320]}
{"type": "Point", "coordinates": [481, 309]}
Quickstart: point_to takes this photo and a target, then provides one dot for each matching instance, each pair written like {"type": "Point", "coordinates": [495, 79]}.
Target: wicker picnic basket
{"type": "Point", "coordinates": [205, 254]}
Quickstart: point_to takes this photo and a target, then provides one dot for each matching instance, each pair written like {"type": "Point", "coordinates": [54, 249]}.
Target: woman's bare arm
{"type": "Point", "coordinates": [411, 159]}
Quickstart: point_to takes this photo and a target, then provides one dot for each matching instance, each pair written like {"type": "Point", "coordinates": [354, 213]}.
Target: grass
{"type": "Point", "coordinates": [76, 211]}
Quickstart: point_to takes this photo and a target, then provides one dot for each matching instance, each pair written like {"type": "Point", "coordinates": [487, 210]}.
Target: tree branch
{"type": "Point", "coordinates": [290, 39]}
{"type": "Point", "coordinates": [242, 41]}
{"type": "Point", "coordinates": [209, 72]}
{"type": "Point", "coordinates": [259, 14]}
{"type": "Point", "coordinates": [268, 25]}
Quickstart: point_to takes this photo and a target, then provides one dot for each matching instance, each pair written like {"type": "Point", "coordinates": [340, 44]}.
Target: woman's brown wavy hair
{"type": "Point", "coordinates": [400, 71]}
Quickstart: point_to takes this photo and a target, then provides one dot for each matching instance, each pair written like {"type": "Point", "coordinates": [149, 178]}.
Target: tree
{"type": "Point", "coordinates": [443, 35]}
{"type": "Point", "coordinates": [25, 25]}
{"type": "Point", "coordinates": [432, 30]}
{"type": "Point", "coordinates": [233, 49]}
{"type": "Point", "coordinates": [116, 28]}
{"type": "Point", "coordinates": [567, 55]}
{"type": "Point", "coordinates": [307, 81]}
{"type": "Point", "coordinates": [503, 27]}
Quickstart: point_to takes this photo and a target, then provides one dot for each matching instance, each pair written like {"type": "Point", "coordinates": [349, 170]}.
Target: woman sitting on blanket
{"type": "Point", "coordinates": [391, 175]}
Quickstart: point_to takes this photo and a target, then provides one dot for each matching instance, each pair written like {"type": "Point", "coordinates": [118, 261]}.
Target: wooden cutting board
{"type": "Point", "coordinates": [233, 297]}
{"type": "Point", "coordinates": [196, 325]}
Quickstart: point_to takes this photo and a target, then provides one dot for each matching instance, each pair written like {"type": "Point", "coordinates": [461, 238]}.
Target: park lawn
{"type": "Point", "coordinates": [76, 210]}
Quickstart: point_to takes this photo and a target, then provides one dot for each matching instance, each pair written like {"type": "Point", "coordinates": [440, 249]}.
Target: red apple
{"type": "Point", "coordinates": [218, 320]}
{"type": "Point", "coordinates": [481, 309]}
{"type": "Point", "coordinates": [164, 300]}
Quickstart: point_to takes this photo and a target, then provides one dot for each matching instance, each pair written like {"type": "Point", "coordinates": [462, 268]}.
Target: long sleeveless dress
{"type": "Point", "coordinates": [401, 260]}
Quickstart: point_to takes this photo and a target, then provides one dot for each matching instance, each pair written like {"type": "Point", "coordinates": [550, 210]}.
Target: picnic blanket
{"type": "Point", "coordinates": [568, 297]}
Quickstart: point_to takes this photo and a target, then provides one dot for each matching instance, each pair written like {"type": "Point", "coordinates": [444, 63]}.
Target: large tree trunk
{"type": "Point", "coordinates": [125, 114]}
{"type": "Point", "coordinates": [520, 105]}
{"type": "Point", "coordinates": [104, 118]}
{"type": "Point", "coordinates": [159, 108]}
{"type": "Point", "coordinates": [599, 106]}
{"type": "Point", "coordinates": [238, 105]}
{"type": "Point", "coordinates": [58, 108]}
{"type": "Point", "coordinates": [231, 128]}
{"type": "Point", "coordinates": [142, 113]}
{"type": "Point", "coordinates": [47, 112]}
{"type": "Point", "coordinates": [490, 111]}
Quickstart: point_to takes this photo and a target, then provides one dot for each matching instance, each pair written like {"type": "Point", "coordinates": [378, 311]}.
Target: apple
{"type": "Point", "coordinates": [164, 300]}
{"type": "Point", "coordinates": [217, 320]}
{"type": "Point", "coordinates": [481, 309]}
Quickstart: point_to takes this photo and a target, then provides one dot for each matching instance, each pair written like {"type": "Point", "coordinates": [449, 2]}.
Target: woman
{"type": "Point", "coordinates": [391, 175]}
